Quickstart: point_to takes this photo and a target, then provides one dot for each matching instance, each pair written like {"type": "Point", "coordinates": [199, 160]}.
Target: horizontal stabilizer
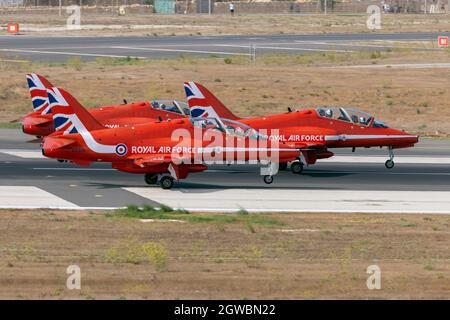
{"type": "Point", "coordinates": [36, 120]}
{"type": "Point", "coordinates": [53, 143]}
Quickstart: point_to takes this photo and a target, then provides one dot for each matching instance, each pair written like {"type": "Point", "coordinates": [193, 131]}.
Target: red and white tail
{"type": "Point", "coordinates": [38, 86]}
{"type": "Point", "coordinates": [69, 116]}
{"type": "Point", "coordinates": [203, 103]}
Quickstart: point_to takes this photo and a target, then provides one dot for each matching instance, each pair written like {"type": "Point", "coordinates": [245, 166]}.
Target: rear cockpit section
{"type": "Point", "coordinates": [179, 107]}
{"type": "Point", "coordinates": [350, 115]}
{"type": "Point", "coordinates": [227, 126]}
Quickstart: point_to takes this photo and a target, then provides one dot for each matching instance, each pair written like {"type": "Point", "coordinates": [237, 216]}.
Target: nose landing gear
{"type": "Point", "coordinates": [268, 179]}
{"type": "Point", "coordinates": [389, 164]}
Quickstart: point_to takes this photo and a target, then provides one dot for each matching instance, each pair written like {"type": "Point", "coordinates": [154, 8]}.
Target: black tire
{"type": "Point", "coordinates": [389, 164]}
{"type": "Point", "coordinates": [282, 166]}
{"type": "Point", "coordinates": [61, 160]}
{"type": "Point", "coordinates": [268, 179]}
{"type": "Point", "coordinates": [151, 178]}
{"type": "Point", "coordinates": [166, 182]}
{"type": "Point", "coordinates": [297, 167]}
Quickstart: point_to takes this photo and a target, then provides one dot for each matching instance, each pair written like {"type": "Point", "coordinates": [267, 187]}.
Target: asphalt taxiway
{"type": "Point", "coordinates": [58, 48]}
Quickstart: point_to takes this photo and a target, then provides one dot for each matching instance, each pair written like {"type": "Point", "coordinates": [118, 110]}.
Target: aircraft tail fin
{"type": "Point", "coordinates": [69, 116]}
{"type": "Point", "coordinates": [38, 85]}
{"type": "Point", "coordinates": [203, 103]}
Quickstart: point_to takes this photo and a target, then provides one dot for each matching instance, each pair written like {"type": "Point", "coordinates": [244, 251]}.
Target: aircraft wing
{"type": "Point", "coordinates": [309, 145]}
{"type": "Point", "coordinates": [155, 159]}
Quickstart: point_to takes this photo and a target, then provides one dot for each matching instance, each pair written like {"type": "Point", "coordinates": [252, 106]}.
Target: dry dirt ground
{"type": "Point", "coordinates": [411, 99]}
{"type": "Point", "coordinates": [232, 256]}
{"type": "Point", "coordinates": [154, 25]}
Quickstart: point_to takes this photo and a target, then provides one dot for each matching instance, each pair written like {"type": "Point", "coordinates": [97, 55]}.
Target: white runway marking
{"type": "Point", "coordinates": [287, 200]}
{"type": "Point", "coordinates": [31, 197]}
{"type": "Point", "coordinates": [76, 169]}
{"type": "Point", "coordinates": [397, 66]}
{"type": "Point", "coordinates": [379, 159]}
{"type": "Point", "coordinates": [181, 50]}
{"type": "Point", "coordinates": [26, 154]}
{"type": "Point", "coordinates": [70, 53]}
{"type": "Point", "coordinates": [281, 48]}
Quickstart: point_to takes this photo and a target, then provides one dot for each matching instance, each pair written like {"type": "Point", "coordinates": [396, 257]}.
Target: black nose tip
{"type": "Point", "coordinates": [43, 152]}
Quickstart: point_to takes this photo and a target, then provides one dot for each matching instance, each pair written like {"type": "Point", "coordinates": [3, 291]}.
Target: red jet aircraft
{"type": "Point", "coordinates": [312, 131]}
{"type": "Point", "coordinates": [164, 151]}
{"type": "Point", "coordinates": [40, 122]}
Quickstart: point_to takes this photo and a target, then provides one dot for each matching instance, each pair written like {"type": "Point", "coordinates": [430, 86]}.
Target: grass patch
{"type": "Point", "coordinates": [112, 61]}
{"type": "Point", "coordinates": [166, 212]}
{"type": "Point", "coordinates": [134, 252]}
{"type": "Point", "coordinates": [76, 63]}
{"type": "Point", "coordinates": [10, 125]}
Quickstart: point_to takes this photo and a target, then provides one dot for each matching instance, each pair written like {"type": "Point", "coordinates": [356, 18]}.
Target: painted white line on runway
{"type": "Point", "coordinates": [182, 50]}
{"type": "Point", "coordinates": [379, 159]}
{"type": "Point", "coordinates": [282, 48]}
{"type": "Point", "coordinates": [76, 169]}
{"type": "Point", "coordinates": [288, 200]}
{"type": "Point", "coordinates": [355, 44]}
{"type": "Point", "coordinates": [396, 66]}
{"type": "Point", "coordinates": [30, 197]}
{"type": "Point", "coordinates": [71, 53]}
{"type": "Point", "coordinates": [26, 154]}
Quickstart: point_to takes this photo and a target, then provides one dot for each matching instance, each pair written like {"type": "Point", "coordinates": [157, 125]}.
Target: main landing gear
{"type": "Point", "coordinates": [390, 163]}
{"type": "Point", "coordinates": [165, 181]}
{"type": "Point", "coordinates": [151, 178]}
{"type": "Point", "coordinates": [297, 167]}
{"type": "Point", "coordinates": [282, 166]}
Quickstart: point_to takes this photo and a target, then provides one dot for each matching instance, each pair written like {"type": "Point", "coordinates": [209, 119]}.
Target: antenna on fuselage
{"type": "Point", "coordinates": [160, 118]}
{"type": "Point", "coordinates": [289, 109]}
{"type": "Point", "coordinates": [125, 101]}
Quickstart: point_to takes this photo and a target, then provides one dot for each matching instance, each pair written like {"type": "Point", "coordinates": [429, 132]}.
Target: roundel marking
{"type": "Point", "coordinates": [121, 149]}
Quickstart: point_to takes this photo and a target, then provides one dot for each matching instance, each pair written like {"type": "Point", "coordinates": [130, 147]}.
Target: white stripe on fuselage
{"type": "Point", "coordinates": [86, 135]}
{"type": "Point", "coordinates": [367, 136]}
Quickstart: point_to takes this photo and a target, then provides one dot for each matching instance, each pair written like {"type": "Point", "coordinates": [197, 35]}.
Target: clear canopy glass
{"type": "Point", "coordinates": [227, 126]}
{"type": "Point", "coordinates": [171, 106]}
{"type": "Point", "coordinates": [350, 115]}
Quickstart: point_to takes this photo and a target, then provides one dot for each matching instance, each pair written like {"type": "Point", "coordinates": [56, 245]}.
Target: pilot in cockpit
{"type": "Point", "coordinates": [329, 113]}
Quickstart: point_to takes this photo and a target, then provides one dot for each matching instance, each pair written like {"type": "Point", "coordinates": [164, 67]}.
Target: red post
{"type": "Point", "coordinates": [443, 41]}
{"type": "Point", "coordinates": [13, 28]}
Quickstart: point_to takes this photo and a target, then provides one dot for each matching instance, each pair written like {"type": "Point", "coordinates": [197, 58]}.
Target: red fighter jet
{"type": "Point", "coordinates": [164, 151]}
{"type": "Point", "coordinates": [40, 122]}
{"type": "Point", "coordinates": [312, 131]}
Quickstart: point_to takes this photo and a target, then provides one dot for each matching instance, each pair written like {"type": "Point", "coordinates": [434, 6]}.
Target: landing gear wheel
{"type": "Point", "coordinates": [297, 167]}
{"type": "Point", "coordinates": [61, 160]}
{"type": "Point", "coordinates": [389, 164]}
{"type": "Point", "coordinates": [151, 178]}
{"type": "Point", "coordinates": [282, 166]}
{"type": "Point", "coordinates": [166, 182]}
{"type": "Point", "coordinates": [268, 179]}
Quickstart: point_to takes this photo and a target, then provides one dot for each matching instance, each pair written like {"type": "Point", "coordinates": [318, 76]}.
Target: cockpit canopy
{"type": "Point", "coordinates": [227, 126]}
{"type": "Point", "coordinates": [350, 115]}
{"type": "Point", "coordinates": [172, 106]}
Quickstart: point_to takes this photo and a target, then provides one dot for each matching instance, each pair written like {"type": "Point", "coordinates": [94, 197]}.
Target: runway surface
{"type": "Point", "coordinates": [89, 48]}
{"type": "Point", "coordinates": [359, 182]}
